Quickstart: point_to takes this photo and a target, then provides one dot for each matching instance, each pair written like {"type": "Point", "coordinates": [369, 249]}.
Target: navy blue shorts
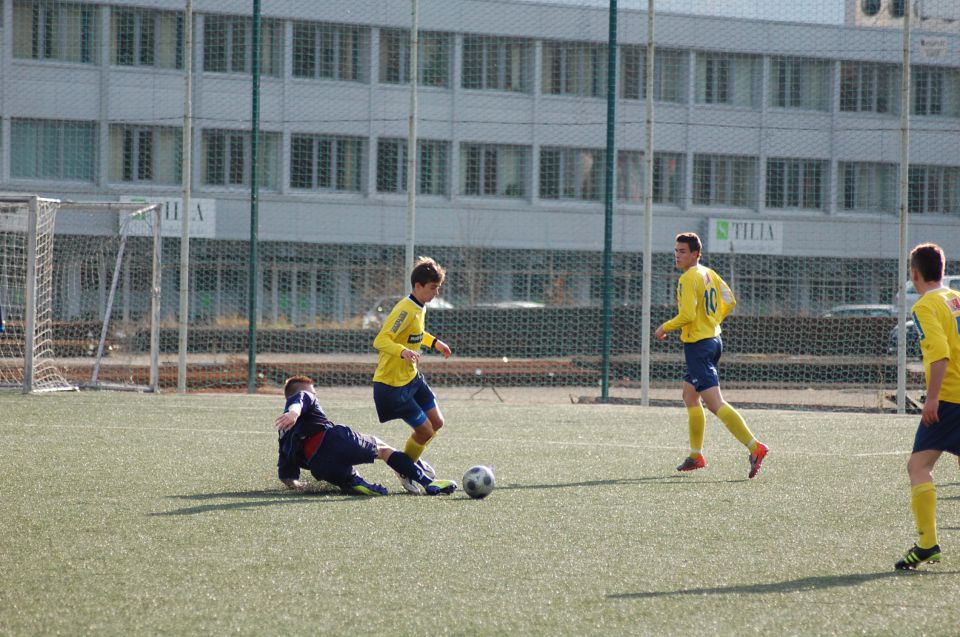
{"type": "Point", "coordinates": [340, 449]}
{"type": "Point", "coordinates": [702, 358]}
{"type": "Point", "coordinates": [942, 436]}
{"type": "Point", "coordinates": [410, 402]}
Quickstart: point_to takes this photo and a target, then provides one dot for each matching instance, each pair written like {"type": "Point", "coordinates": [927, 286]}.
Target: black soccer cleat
{"type": "Point", "coordinates": [917, 556]}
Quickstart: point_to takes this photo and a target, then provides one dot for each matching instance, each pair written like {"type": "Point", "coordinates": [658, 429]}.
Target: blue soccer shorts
{"type": "Point", "coordinates": [702, 358]}
{"type": "Point", "coordinates": [410, 402]}
{"type": "Point", "coordinates": [941, 436]}
{"type": "Point", "coordinates": [340, 449]}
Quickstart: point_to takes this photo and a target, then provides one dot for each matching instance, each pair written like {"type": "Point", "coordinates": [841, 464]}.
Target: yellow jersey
{"type": "Point", "coordinates": [402, 329]}
{"type": "Point", "coordinates": [704, 300]}
{"type": "Point", "coordinates": [937, 318]}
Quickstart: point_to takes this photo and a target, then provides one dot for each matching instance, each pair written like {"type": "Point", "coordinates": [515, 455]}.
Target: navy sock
{"type": "Point", "coordinates": [402, 464]}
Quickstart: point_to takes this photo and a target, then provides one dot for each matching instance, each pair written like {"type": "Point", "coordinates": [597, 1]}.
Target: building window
{"type": "Point", "coordinates": [45, 30]}
{"type": "Point", "coordinates": [226, 157]}
{"type": "Point", "coordinates": [936, 91]}
{"type": "Point", "coordinates": [868, 187]}
{"type": "Point", "coordinates": [330, 51]}
{"type": "Point", "coordinates": [896, 8]}
{"type": "Point", "coordinates": [431, 166]}
{"type": "Point", "coordinates": [796, 183]}
{"type": "Point", "coordinates": [433, 56]}
{"type": "Point", "coordinates": [326, 162]}
{"type": "Point", "coordinates": [870, 7]}
{"type": "Point", "coordinates": [493, 170]}
{"type": "Point", "coordinates": [728, 79]}
{"type": "Point", "coordinates": [724, 180]}
{"type": "Point", "coordinates": [571, 173]}
{"type": "Point", "coordinates": [59, 150]}
{"type": "Point", "coordinates": [497, 64]}
{"type": "Point", "coordinates": [800, 83]}
{"type": "Point", "coordinates": [669, 74]}
{"type": "Point", "coordinates": [146, 38]}
{"type": "Point", "coordinates": [150, 154]}
{"type": "Point", "coordinates": [574, 68]}
{"type": "Point", "coordinates": [228, 40]}
{"type": "Point", "coordinates": [934, 189]}
{"type": "Point", "coordinates": [667, 177]}
{"type": "Point", "coordinates": [869, 88]}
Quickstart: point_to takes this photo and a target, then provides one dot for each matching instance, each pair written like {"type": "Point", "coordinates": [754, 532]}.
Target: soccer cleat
{"type": "Point", "coordinates": [362, 487]}
{"type": "Point", "coordinates": [409, 485]}
{"type": "Point", "coordinates": [441, 487]}
{"type": "Point", "coordinates": [427, 469]}
{"type": "Point", "coordinates": [691, 464]}
{"type": "Point", "coordinates": [917, 556]}
{"type": "Point", "coordinates": [756, 458]}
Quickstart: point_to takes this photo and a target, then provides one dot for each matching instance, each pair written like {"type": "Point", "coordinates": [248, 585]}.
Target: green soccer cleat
{"type": "Point", "coordinates": [917, 556]}
{"type": "Point", "coordinates": [441, 487]}
{"type": "Point", "coordinates": [362, 487]}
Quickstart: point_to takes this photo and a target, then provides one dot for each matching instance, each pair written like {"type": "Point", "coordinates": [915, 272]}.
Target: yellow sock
{"type": "Point", "coordinates": [697, 421]}
{"type": "Point", "coordinates": [736, 425]}
{"type": "Point", "coordinates": [923, 500]}
{"type": "Point", "coordinates": [414, 449]}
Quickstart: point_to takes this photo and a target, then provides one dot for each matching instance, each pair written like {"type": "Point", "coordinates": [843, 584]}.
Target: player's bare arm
{"type": "Point", "coordinates": [443, 348]}
{"type": "Point", "coordinates": [287, 419]}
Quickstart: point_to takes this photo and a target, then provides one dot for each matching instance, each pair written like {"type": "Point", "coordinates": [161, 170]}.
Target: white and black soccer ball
{"type": "Point", "coordinates": [478, 481]}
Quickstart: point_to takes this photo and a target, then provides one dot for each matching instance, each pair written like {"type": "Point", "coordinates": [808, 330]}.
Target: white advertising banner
{"type": "Point", "coordinates": [203, 216]}
{"type": "Point", "coordinates": [745, 237]}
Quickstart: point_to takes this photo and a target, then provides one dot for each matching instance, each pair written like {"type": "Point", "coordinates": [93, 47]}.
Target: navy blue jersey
{"type": "Point", "coordinates": [312, 421]}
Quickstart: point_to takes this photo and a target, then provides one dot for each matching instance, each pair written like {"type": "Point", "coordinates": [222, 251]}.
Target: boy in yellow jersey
{"type": "Point", "coordinates": [936, 315]}
{"type": "Point", "coordinates": [704, 299]}
{"type": "Point", "coordinates": [399, 389]}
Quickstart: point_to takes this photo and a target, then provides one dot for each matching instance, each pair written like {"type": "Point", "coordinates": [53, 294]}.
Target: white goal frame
{"type": "Point", "coordinates": [39, 281]}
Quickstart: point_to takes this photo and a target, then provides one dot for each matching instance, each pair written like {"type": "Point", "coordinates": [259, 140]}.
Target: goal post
{"type": "Point", "coordinates": [80, 294]}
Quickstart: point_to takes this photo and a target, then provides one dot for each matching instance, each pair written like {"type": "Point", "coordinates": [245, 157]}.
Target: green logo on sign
{"type": "Point", "coordinates": [723, 229]}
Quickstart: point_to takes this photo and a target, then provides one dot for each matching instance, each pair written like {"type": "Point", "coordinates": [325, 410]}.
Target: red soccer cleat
{"type": "Point", "coordinates": [692, 464]}
{"type": "Point", "coordinates": [756, 458]}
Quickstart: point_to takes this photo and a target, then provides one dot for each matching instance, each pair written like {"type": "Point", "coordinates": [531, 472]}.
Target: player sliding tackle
{"type": "Point", "coordinates": [704, 299]}
{"type": "Point", "coordinates": [310, 440]}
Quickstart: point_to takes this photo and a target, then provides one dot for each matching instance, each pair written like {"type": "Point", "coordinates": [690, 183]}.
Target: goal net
{"type": "Point", "coordinates": [79, 294]}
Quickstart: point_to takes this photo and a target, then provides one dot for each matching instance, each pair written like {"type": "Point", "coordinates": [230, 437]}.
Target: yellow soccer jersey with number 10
{"type": "Point", "coordinates": [704, 300]}
{"type": "Point", "coordinates": [402, 329]}
{"type": "Point", "coordinates": [937, 317]}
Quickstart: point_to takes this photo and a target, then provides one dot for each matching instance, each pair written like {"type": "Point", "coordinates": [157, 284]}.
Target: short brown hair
{"type": "Point", "coordinates": [692, 241]}
{"type": "Point", "coordinates": [426, 270]}
{"type": "Point", "coordinates": [295, 384]}
{"type": "Point", "coordinates": [928, 260]}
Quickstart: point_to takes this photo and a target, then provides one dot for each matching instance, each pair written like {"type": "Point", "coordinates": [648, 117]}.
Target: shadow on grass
{"type": "Point", "coordinates": [254, 500]}
{"type": "Point", "coordinates": [790, 586]}
{"type": "Point", "coordinates": [668, 479]}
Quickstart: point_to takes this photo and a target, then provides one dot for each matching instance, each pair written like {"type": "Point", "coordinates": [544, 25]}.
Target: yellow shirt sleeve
{"type": "Point", "coordinates": [727, 300]}
{"type": "Point", "coordinates": [687, 296]}
{"type": "Point", "coordinates": [933, 340]}
{"type": "Point", "coordinates": [387, 338]}
{"type": "Point", "coordinates": [429, 340]}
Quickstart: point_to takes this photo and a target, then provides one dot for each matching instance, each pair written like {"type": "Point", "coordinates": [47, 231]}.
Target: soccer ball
{"type": "Point", "coordinates": [478, 481]}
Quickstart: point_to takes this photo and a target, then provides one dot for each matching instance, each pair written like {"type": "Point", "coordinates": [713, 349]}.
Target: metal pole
{"type": "Point", "coordinates": [412, 137]}
{"type": "Point", "coordinates": [155, 300]}
{"type": "Point", "coordinates": [608, 201]}
{"type": "Point", "coordinates": [30, 294]}
{"type": "Point", "coordinates": [254, 207]}
{"type": "Point", "coordinates": [904, 213]}
{"type": "Point", "coordinates": [187, 174]}
{"type": "Point", "coordinates": [647, 218]}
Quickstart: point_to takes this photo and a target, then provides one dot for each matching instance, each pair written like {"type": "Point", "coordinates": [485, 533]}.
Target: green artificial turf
{"type": "Point", "coordinates": [138, 514]}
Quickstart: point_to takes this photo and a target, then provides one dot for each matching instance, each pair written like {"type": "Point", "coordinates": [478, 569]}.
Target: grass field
{"type": "Point", "coordinates": [137, 514]}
